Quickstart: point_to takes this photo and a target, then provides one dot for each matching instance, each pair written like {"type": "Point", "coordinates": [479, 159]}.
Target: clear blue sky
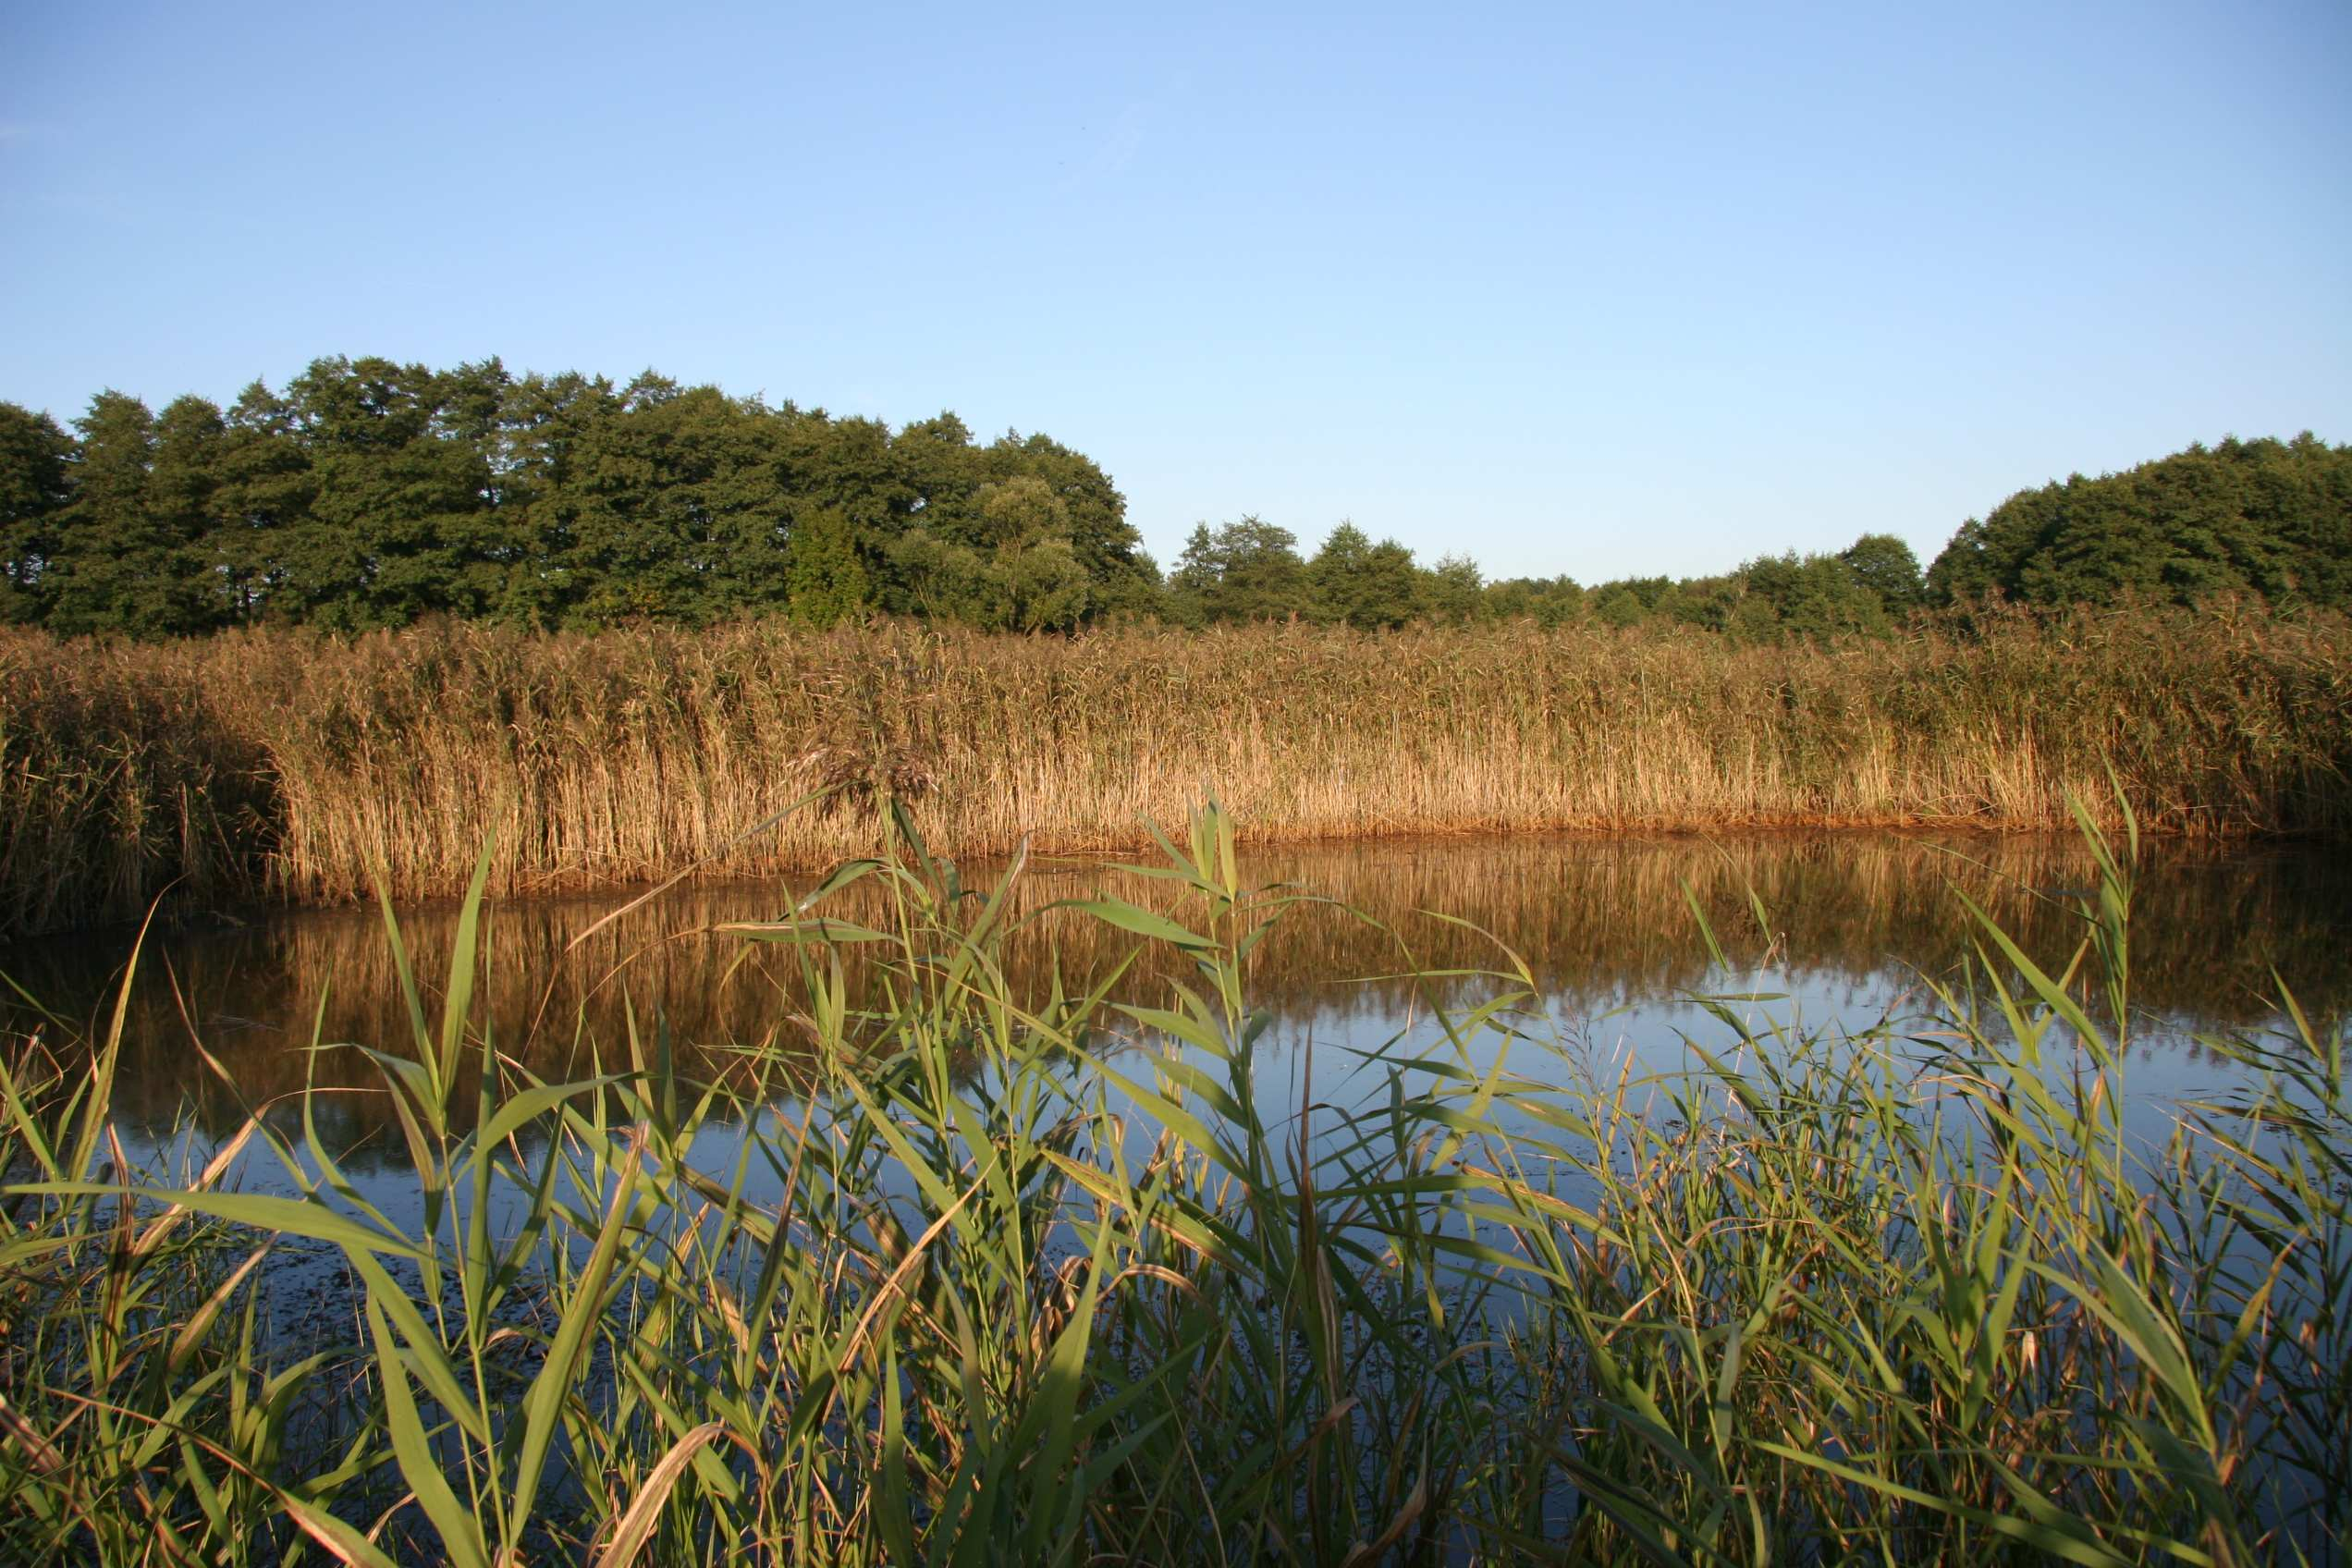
{"type": "Point", "coordinates": [1585, 289]}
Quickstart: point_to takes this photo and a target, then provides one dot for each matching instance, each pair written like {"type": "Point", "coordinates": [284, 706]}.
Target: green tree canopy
{"type": "Point", "coordinates": [1246, 571]}
{"type": "Point", "coordinates": [1886, 566]}
{"type": "Point", "coordinates": [368, 493]}
{"type": "Point", "coordinates": [1450, 591]}
{"type": "Point", "coordinates": [36, 486]}
{"type": "Point", "coordinates": [2265, 519]}
{"type": "Point", "coordinates": [1363, 584]}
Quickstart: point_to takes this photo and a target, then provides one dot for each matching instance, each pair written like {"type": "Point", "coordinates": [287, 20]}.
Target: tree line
{"type": "Point", "coordinates": [368, 494]}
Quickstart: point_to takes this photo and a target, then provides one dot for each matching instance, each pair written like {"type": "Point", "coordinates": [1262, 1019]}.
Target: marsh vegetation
{"type": "Point", "coordinates": [948, 1269]}
{"type": "Point", "coordinates": [288, 765]}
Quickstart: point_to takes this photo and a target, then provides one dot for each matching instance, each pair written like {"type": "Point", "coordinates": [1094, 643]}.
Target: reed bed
{"type": "Point", "coordinates": [932, 1279]}
{"type": "Point", "coordinates": [289, 764]}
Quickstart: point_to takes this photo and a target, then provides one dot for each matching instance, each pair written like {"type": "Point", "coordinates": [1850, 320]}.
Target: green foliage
{"type": "Point", "coordinates": [36, 486]}
{"type": "Point", "coordinates": [1040, 1278]}
{"type": "Point", "coordinates": [1864, 591]}
{"type": "Point", "coordinates": [1366, 585]}
{"type": "Point", "coordinates": [826, 582]}
{"type": "Point", "coordinates": [1549, 602]}
{"type": "Point", "coordinates": [1246, 571]}
{"type": "Point", "coordinates": [2266, 520]}
{"type": "Point", "coordinates": [1618, 605]}
{"type": "Point", "coordinates": [937, 580]}
{"type": "Point", "coordinates": [1886, 566]}
{"type": "Point", "coordinates": [1045, 587]}
{"type": "Point", "coordinates": [371, 495]}
{"type": "Point", "coordinates": [1448, 592]}
{"type": "Point", "coordinates": [129, 544]}
{"type": "Point", "coordinates": [1815, 597]}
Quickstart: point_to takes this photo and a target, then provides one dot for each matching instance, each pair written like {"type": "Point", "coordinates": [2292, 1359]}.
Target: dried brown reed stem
{"type": "Point", "coordinates": [291, 764]}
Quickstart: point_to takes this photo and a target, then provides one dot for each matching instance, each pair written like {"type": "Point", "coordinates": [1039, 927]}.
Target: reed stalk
{"type": "Point", "coordinates": [288, 765]}
{"type": "Point", "coordinates": [938, 1272]}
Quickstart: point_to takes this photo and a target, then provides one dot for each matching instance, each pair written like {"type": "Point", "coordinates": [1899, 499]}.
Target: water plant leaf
{"type": "Point", "coordinates": [636, 1523]}
{"type": "Point", "coordinates": [814, 931]}
{"type": "Point", "coordinates": [1142, 922]}
{"type": "Point", "coordinates": [289, 1216]}
{"type": "Point", "coordinates": [412, 1446]}
{"type": "Point", "coordinates": [2061, 1535]}
{"type": "Point", "coordinates": [552, 1384]}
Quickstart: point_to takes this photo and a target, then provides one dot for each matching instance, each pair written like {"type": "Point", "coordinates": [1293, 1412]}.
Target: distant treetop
{"type": "Point", "coordinates": [369, 493]}
{"type": "Point", "coordinates": [2265, 520]}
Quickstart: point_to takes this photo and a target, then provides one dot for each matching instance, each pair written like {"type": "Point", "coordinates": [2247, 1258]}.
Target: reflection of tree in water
{"type": "Point", "coordinates": [1602, 922]}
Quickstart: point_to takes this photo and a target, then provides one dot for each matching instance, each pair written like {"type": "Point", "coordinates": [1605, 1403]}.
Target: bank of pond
{"type": "Point", "coordinates": [289, 766]}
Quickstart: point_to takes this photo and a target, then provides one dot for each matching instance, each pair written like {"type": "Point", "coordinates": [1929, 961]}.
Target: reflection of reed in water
{"type": "Point", "coordinates": [1601, 923]}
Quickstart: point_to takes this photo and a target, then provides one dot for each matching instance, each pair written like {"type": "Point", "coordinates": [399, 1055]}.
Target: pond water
{"type": "Point", "coordinates": [1857, 929]}
{"type": "Point", "coordinates": [1857, 926]}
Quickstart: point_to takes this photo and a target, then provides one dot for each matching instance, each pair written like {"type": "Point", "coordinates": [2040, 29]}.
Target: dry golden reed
{"type": "Point", "coordinates": [291, 764]}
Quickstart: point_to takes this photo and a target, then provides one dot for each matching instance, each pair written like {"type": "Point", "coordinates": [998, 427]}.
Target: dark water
{"type": "Point", "coordinates": [1855, 928]}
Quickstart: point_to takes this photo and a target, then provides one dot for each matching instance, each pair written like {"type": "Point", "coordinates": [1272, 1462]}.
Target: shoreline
{"type": "Point", "coordinates": [1104, 853]}
{"type": "Point", "coordinates": [284, 769]}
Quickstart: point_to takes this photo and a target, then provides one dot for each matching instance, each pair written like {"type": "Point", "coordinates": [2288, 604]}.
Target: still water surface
{"type": "Point", "coordinates": [1857, 926]}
